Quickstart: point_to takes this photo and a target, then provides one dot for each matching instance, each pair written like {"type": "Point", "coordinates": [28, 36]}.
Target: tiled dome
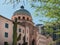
{"type": "Point", "coordinates": [22, 11]}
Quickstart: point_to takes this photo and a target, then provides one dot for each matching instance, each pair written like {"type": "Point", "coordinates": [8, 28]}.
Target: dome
{"type": "Point", "coordinates": [22, 11]}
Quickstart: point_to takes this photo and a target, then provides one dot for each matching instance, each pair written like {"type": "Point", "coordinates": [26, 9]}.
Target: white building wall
{"type": "Point", "coordinates": [9, 30]}
{"type": "Point", "coordinates": [22, 33]}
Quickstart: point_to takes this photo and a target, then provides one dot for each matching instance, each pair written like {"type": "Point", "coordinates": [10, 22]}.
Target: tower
{"type": "Point", "coordinates": [22, 15]}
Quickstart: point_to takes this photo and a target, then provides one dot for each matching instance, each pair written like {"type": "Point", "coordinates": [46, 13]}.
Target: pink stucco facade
{"type": "Point", "coordinates": [8, 30]}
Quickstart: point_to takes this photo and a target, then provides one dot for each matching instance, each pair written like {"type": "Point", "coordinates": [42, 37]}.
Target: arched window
{"type": "Point", "coordinates": [5, 43]}
{"type": "Point", "coordinates": [19, 18]}
{"type": "Point", "coordinates": [24, 18]}
{"type": "Point", "coordinates": [27, 18]}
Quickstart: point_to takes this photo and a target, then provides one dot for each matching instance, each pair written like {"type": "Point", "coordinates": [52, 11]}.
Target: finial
{"type": "Point", "coordinates": [22, 6]}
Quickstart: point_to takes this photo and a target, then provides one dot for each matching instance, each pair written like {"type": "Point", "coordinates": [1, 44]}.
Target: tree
{"type": "Point", "coordinates": [15, 32]}
{"type": "Point", "coordinates": [50, 9]}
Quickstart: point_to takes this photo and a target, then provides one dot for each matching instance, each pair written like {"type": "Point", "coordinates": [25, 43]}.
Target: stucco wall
{"type": "Point", "coordinates": [9, 30]}
{"type": "Point", "coordinates": [22, 33]}
{"type": "Point", "coordinates": [21, 18]}
{"type": "Point", "coordinates": [43, 40]}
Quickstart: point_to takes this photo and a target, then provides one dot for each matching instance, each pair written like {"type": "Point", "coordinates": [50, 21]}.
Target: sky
{"type": "Point", "coordinates": [7, 10]}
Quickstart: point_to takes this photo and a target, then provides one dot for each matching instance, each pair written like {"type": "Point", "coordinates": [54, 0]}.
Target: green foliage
{"type": "Point", "coordinates": [50, 7]}
{"type": "Point", "coordinates": [51, 28]}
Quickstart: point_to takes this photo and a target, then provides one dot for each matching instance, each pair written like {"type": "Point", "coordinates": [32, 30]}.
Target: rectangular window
{"type": "Point", "coordinates": [19, 30]}
{"type": "Point", "coordinates": [6, 34]}
{"type": "Point", "coordinates": [5, 43]}
{"type": "Point", "coordinates": [6, 25]}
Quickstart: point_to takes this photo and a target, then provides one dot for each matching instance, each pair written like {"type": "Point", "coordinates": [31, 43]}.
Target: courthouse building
{"type": "Point", "coordinates": [27, 32]}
